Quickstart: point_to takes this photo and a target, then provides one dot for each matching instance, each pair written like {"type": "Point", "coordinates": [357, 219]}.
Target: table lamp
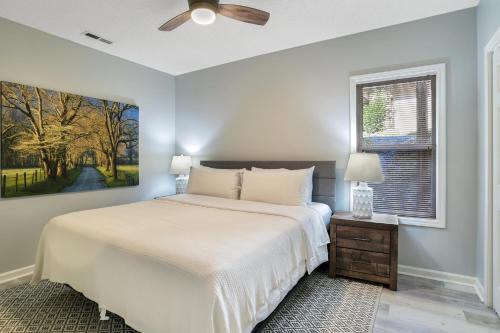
{"type": "Point", "coordinates": [363, 168]}
{"type": "Point", "coordinates": [181, 166]}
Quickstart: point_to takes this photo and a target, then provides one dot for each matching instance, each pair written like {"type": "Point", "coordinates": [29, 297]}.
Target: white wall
{"type": "Point", "coordinates": [294, 105]}
{"type": "Point", "coordinates": [31, 57]}
{"type": "Point", "coordinates": [488, 21]}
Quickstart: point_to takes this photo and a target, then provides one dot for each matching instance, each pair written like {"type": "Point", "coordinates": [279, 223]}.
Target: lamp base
{"type": "Point", "coordinates": [362, 206]}
{"type": "Point", "coordinates": [181, 184]}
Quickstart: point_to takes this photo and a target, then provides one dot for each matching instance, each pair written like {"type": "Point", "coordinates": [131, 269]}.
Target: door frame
{"type": "Point", "coordinates": [487, 206]}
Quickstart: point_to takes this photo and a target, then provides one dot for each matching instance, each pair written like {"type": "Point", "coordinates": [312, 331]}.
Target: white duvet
{"type": "Point", "coordinates": [187, 263]}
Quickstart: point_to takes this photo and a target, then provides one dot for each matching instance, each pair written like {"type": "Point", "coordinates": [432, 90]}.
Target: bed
{"type": "Point", "coordinates": [190, 263]}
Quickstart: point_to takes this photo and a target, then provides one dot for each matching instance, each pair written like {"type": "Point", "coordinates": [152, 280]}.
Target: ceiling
{"type": "Point", "coordinates": [133, 26]}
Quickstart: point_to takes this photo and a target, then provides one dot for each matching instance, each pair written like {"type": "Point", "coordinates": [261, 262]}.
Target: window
{"type": "Point", "coordinates": [397, 115]}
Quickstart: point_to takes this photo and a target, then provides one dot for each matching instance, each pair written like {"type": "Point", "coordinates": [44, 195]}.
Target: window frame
{"type": "Point", "coordinates": [439, 70]}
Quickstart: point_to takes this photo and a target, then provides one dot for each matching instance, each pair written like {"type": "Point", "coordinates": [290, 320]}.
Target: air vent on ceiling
{"type": "Point", "coordinates": [105, 41]}
{"type": "Point", "coordinates": [96, 37]}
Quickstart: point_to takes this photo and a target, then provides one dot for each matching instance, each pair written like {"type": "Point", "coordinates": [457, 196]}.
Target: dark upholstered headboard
{"type": "Point", "coordinates": [323, 178]}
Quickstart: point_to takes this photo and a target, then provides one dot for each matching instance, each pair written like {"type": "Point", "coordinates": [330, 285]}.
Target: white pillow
{"type": "Point", "coordinates": [309, 180]}
{"type": "Point", "coordinates": [216, 169]}
{"type": "Point", "coordinates": [222, 183]}
{"type": "Point", "coordinates": [282, 187]}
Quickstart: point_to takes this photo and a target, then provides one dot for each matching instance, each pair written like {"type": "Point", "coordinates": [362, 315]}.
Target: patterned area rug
{"type": "Point", "coordinates": [319, 304]}
{"type": "Point", "coordinates": [316, 304]}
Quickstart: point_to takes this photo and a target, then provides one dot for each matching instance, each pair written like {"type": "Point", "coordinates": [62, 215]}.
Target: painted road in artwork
{"type": "Point", "coordinates": [89, 179]}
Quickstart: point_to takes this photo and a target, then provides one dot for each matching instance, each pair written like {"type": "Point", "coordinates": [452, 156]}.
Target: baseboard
{"type": "Point", "coordinates": [465, 280]}
{"type": "Point", "coordinates": [478, 286]}
{"type": "Point", "coordinates": [16, 274]}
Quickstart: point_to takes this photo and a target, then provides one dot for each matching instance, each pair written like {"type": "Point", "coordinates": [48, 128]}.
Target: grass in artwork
{"type": "Point", "coordinates": [128, 175]}
{"type": "Point", "coordinates": [36, 182]}
{"type": "Point", "coordinates": [54, 142]}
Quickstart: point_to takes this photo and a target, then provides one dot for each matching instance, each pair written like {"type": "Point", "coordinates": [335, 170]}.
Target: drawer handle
{"type": "Point", "coordinates": [361, 239]}
{"type": "Point", "coordinates": [361, 262]}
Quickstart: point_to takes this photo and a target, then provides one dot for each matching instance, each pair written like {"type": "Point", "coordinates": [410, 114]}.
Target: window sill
{"type": "Point", "coordinates": [422, 222]}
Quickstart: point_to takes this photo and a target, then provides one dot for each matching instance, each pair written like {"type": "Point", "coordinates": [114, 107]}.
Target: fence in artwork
{"type": "Point", "coordinates": [21, 181]}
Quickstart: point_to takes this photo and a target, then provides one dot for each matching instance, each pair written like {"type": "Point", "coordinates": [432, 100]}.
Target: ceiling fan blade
{"type": "Point", "coordinates": [176, 21]}
{"type": "Point", "coordinates": [244, 14]}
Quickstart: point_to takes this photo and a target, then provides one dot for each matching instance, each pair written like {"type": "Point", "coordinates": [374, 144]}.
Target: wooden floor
{"type": "Point", "coordinates": [423, 306]}
{"type": "Point", "coordinates": [428, 306]}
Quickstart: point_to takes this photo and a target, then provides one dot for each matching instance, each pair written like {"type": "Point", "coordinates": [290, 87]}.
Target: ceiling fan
{"type": "Point", "coordinates": [204, 12]}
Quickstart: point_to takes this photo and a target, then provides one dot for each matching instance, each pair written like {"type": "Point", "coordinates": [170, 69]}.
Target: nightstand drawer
{"type": "Point", "coordinates": [365, 249]}
{"type": "Point", "coordinates": [364, 239]}
{"type": "Point", "coordinates": [363, 261]}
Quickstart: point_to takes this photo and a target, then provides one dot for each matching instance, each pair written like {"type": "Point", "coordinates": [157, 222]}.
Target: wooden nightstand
{"type": "Point", "coordinates": [365, 248]}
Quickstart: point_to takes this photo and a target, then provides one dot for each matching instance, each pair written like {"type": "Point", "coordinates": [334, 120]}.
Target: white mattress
{"type": "Point", "coordinates": [188, 263]}
{"type": "Point", "coordinates": [324, 210]}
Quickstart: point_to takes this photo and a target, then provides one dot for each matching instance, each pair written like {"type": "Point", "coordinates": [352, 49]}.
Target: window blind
{"type": "Point", "coordinates": [396, 119]}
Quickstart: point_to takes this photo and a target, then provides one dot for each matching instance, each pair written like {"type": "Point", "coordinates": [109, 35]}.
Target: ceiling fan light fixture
{"type": "Point", "coordinates": [203, 15]}
{"type": "Point", "coordinates": [205, 12]}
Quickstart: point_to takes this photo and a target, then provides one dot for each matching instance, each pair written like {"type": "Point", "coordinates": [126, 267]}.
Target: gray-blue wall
{"type": "Point", "coordinates": [32, 57]}
{"type": "Point", "coordinates": [294, 104]}
{"type": "Point", "coordinates": [488, 21]}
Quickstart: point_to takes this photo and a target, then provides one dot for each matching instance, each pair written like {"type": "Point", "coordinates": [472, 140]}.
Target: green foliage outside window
{"type": "Point", "coordinates": [374, 114]}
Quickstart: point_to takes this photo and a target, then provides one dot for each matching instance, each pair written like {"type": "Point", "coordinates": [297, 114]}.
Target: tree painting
{"type": "Point", "coordinates": [55, 142]}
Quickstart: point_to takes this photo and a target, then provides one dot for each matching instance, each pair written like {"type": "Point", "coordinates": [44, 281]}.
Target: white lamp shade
{"type": "Point", "coordinates": [180, 165]}
{"type": "Point", "coordinates": [364, 167]}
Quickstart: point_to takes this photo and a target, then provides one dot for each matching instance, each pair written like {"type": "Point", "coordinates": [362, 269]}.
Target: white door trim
{"type": "Point", "coordinates": [488, 169]}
